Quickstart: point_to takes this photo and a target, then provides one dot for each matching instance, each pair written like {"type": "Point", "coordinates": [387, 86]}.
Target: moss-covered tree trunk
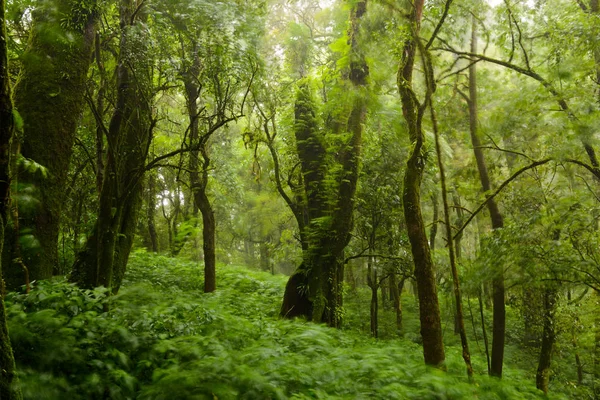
{"type": "Point", "coordinates": [542, 377]}
{"type": "Point", "coordinates": [315, 289]}
{"type": "Point", "coordinates": [499, 316]}
{"type": "Point", "coordinates": [429, 310]}
{"type": "Point", "coordinates": [104, 258]}
{"type": "Point", "coordinates": [49, 97]}
{"type": "Point", "coordinates": [9, 385]}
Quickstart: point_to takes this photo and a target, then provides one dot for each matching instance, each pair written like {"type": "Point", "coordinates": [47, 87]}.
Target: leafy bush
{"type": "Point", "coordinates": [161, 338]}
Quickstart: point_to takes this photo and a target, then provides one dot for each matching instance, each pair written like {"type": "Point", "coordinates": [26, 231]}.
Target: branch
{"type": "Point", "coordinates": [505, 151]}
{"type": "Point", "coordinates": [197, 147]}
{"type": "Point", "coordinates": [497, 191]}
{"type": "Point", "coordinates": [439, 24]}
{"type": "Point", "coordinates": [374, 256]}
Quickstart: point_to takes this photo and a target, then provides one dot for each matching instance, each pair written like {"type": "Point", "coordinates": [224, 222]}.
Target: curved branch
{"type": "Point", "coordinates": [439, 24]}
{"type": "Point", "coordinates": [497, 191]}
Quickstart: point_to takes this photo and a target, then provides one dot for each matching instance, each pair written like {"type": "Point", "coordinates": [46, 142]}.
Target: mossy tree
{"type": "Point", "coordinates": [329, 180]}
{"type": "Point", "coordinates": [9, 385]}
{"type": "Point", "coordinates": [49, 97]}
{"type": "Point", "coordinates": [103, 260]}
{"type": "Point", "coordinates": [414, 112]}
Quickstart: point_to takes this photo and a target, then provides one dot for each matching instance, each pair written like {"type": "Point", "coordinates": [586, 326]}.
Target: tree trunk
{"type": "Point", "coordinates": [150, 211]}
{"type": "Point", "coordinates": [597, 345]}
{"type": "Point", "coordinates": [199, 176]}
{"type": "Point", "coordinates": [49, 97]}
{"type": "Point", "coordinates": [434, 223]}
{"type": "Point", "coordinates": [396, 289]}
{"type": "Point", "coordinates": [372, 281]}
{"type": "Point", "coordinates": [484, 330]}
{"type": "Point", "coordinates": [548, 338]}
{"type": "Point", "coordinates": [322, 270]}
{"type": "Point", "coordinates": [499, 317]}
{"type": "Point", "coordinates": [104, 258]}
{"type": "Point", "coordinates": [208, 233]}
{"type": "Point", "coordinates": [460, 320]}
{"type": "Point", "coordinates": [9, 383]}
{"type": "Point", "coordinates": [429, 310]}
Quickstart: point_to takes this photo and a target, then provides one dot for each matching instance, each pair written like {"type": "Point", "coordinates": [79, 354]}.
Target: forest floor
{"type": "Point", "coordinates": [162, 338]}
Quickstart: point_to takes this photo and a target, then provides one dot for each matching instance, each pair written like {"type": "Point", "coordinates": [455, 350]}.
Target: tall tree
{"type": "Point", "coordinates": [103, 260]}
{"type": "Point", "coordinates": [49, 97]}
{"type": "Point", "coordinates": [9, 385]}
{"type": "Point", "coordinates": [315, 289]}
{"type": "Point", "coordinates": [499, 317]}
{"type": "Point", "coordinates": [413, 112]}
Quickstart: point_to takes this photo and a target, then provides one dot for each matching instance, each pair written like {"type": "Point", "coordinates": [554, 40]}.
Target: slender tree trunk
{"type": "Point", "coordinates": [49, 97]}
{"type": "Point", "coordinates": [9, 382]}
{"type": "Point", "coordinates": [208, 233]}
{"type": "Point", "coordinates": [429, 310]}
{"type": "Point", "coordinates": [548, 338]}
{"type": "Point", "coordinates": [372, 282]}
{"type": "Point", "coordinates": [99, 114]}
{"type": "Point", "coordinates": [150, 211]}
{"type": "Point", "coordinates": [484, 330]}
{"type": "Point", "coordinates": [396, 289]}
{"type": "Point", "coordinates": [499, 317]}
{"type": "Point", "coordinates": [434, 223]}
{"type": "Point", "coordinates": [199, 174]}
{"type": "Point", "coordinates": [596, 354]}
{"type": "Point", "coordinates": [460, 320]}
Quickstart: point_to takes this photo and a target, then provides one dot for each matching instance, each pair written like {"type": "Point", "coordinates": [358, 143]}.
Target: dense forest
{"type": "Point", "coordinates": [303, 199]}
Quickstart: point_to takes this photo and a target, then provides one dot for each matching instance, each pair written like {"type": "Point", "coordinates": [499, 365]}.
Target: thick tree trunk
{"type": "Point", "coordinates": [328, 231]}
{"type": "Point", "coordinates": [49, 97]}
{"type": "Point", "coordinates": [548, 338]}
{"type": "Point", "coordinates": [104, 258]}
{"type": "Point", "coordinates": [429, 310]}
{"type": "Point", "coordinates": [9, 383]}
{"type": "Point", "coordinates": [499, 317]}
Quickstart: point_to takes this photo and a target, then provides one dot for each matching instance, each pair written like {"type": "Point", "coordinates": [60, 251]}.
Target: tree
{"type": "Point", "coordinates": [9, 384]}
{"type": "Point", "coordinates": [315, 289]}
{"type": "Point", "coordinates": [413, 112]}
{"type": "Point", "coordinates": [499, 318]}
{"type": "Point", "coordinates": [103, 260]}
{"type": "Point", "coordinates": [49, 98]}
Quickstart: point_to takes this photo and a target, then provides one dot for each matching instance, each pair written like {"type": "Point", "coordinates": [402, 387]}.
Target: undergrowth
{"type": "Point", "coordinates": [161, 338]}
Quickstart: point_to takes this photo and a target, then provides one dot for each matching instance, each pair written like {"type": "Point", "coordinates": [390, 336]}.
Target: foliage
{"type": "Point", "coordinates": [160, 338]}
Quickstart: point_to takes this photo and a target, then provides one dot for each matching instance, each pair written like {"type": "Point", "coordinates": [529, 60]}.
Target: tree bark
{"type": "Point", "coordinates": [434, 223]}
{"type": "Point", "coordinates": [499, 316]}
{"type": "Point", "coordinates": [104, 258]}
{"type": "Point", "coordinates": [49, 97]}
{"type": "Point", "coordinates": [460, 320]}
{"type": "Point", "coordinates": [150, 211]}
{"type": "Point", "coordinates": [396, 289]}
{"type": "Point", "coordinates": [548, 338]}
{"type": "Point", "coordinates": [429, 310]}
{"type": "Point", "coordinates": [199, 173]}
{"type": "Point", "coordinates": [315, 289]}
{"type": "Point", "coordinates": [9, 382]}
{"type": "Point", "coordinates": [373, 283]}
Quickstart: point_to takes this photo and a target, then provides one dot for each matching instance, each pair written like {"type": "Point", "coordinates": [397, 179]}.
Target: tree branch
{"type": "Point", "coordinates": [497, 191]}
